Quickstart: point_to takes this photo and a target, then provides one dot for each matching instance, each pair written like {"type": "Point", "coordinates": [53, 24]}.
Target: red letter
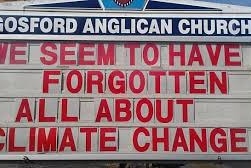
{"type": "Point", "coordinates": [214, 56]}
{"type": "Point", "coordinates": [88, 139]}
{"type": "Point", "coordinates": [132, 83]}
{"type": "Point", "coordinates": [98, 81]}
{"type": "Point", "coordinates": [156, 140]}
{"type": "Point", "coordinates": [3, 52]}
{"type": "Point", "coordinates": [173, 54]}
{"type": "Point", "coordinates": [196, 139]}
{"type": "Point", "coordinates": [32, 140]}
{"type": "Point", "coordinates": [47, 80]}
{"type": "Point", "coordinates": [235, 139]}
{"type": "Point", "coordinates": [126, 106]}
{"type": "Point", "coordinates": [64, 53]}
{"type": "Point", "coordinates": [67, 140]}
{"type": "Point", "coordinates": [193, 82]}
{"type": "Point", "coordinates": [132, 47]}
{"type": "Point", "coordinates": [119, 82]}
{"type": "Point", "coordinates": [79, 81]}
{"type": "Point", "coordinates": [12, 147]}
{"type": "Point", "coordinates": [14, 52]}
{"type": "Point", "coordinates": [139, 110]}
{"type": "Point", "coordinates": [229, 54]}
{"type": "Point", "coordinates": [104, 139]}
{"type": "Point", "coordinates": [47, 143]}
{"type": "Point", "coordinates": [24, 111]}
{"type": "Point", "coordinates": [195, 55]}
{"type": "Point", "coordinates": [2, 134]}
{"type": "Point", "coordinates": [157, 75]}
{"type": "Point", "coordinates": [177, 75]}
{"type": "Point", "coordinates": [103, 111]}
{"type": "Point", "coordinates": [106, 57]}
{"type": "Point", "coordinates": [83, 54]}
{"type": "Point", "coordinates": [169, 111]}
{"type": "Point", "coordinates": [51, 54]}
{"type": "Point", "coordinates": [136, 144]}
{"type": "Point", "coordinates": [179, 141]}
{"type": "Point", "coordinates": [222, 140]}
{"type": "Point", "coordinates": [185, 104]}
{"type": "Point", "coordinates": [41, 112]}
{"type": "Point", "coordinates": [221, 84]}
{"type": "Point", "coordinates": [64, 115]}
{"type": "Point", "coordinates": [155, 54]}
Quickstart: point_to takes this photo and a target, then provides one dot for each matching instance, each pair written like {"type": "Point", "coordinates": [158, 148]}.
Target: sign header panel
{"type": "Point", "coordinates": [156, 28]}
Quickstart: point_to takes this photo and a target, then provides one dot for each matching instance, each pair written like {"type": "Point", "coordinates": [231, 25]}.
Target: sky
{"type": "Point", "coordinates": [234, 2]}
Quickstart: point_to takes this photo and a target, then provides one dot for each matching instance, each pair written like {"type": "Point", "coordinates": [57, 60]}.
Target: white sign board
{"type": "Point", "coordinates": [125, 99]}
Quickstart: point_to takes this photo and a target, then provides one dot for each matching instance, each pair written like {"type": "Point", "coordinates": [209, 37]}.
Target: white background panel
{"type": "Point", "coordinates": [121, 57]}
{"type": "Point", "coordinates": [125, 140]}
{"type": "Point", "coordinates": [249, 140]}
{"type": "Point", "coordinates": [222, 111]}
{"type": "Point", "coordinates": [7, 110]}
{"type": "Point", "coordinates": [164, 55]}
{"type": "Point", "coordinates": [239, 83]}
{"type": "Point", "coordinates": [21, 82]}
{"type": "Point", "coordinates": [246, 50]}
{"type": "Point", "coordinates": [87, 111]}
{"type": "Point", "coordinates": [35, 53]}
